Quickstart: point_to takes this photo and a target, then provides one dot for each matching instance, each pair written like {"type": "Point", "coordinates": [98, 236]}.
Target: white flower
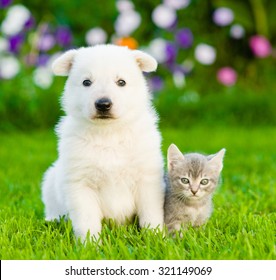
{"type": "Point", "coordinates": [157, 48]}
{"type": "Point", "coordinates": [4, 44]}
{"type": "Point", "coordinates": [95, 36]}
{"type": "Point", "coordinates": [43, 77]}
{"type": "Point", "coordinates": [164, 16]}
{"type": "Point", "coordinates": [205, 54]}
{"type": "Point", "coordinates": [15, 20]}
{"type": "Point", "coordinates": [237, 31]}
{"type": "Point", "coordinates": [127, 22]}
{"type": "Point", "coordinates": [124, 5]}
{"type": "Point", "coordinates": [9, 67]}
{"type": "Point", "coordinates": [179, 79]}
{"type": "Point", "coordinates": [177, 4]}
{"type": "Point", "coordinates": [223, 16]}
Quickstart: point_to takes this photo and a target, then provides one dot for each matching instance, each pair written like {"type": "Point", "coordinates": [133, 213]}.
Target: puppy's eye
{"type": "Point", "coordinates": [87, 83]}
{"type": "Point", "coordinates": [204, 182]}
{"type": "Point", "coordinates": [121, 83]}
{"type": "Point", "coordinates": [185, 181]}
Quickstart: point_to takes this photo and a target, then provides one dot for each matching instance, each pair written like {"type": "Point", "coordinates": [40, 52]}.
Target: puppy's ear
{"type": "Point", "coordinates": [62, 65]}
{"type": "Point", "coordinates": [146, 62]}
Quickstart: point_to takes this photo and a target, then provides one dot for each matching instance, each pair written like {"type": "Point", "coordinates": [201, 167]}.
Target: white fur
{"type": "Point", "coordinates": [111, 168]}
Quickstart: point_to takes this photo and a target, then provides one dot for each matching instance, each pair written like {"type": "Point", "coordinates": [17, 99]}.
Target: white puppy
{"type": "Point", "coordinates": [110, 163]}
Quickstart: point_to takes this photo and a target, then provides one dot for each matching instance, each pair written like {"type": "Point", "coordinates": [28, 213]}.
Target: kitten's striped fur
{"type": "Point", "coordinates": [192, 180]}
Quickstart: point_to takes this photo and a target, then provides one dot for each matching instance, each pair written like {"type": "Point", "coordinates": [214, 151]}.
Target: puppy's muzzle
{"type": "Point", "coordinates": [103, 105]}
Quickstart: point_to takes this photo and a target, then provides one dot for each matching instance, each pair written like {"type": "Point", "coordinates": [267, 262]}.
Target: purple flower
{"type": "Point", "coordinates": [63, 36]}
{"type": "Point", "coordinates": [15, 43]}
{"type": "Point", "coordinates": [46, 42]}
{"type": "Point", "coordinates": [184, 37]}
{"type": "Point", "coordinates": [171, 53]}
{"type": "Point", "coordinates": [30, 23]}
{"type": "Point", "coordinates": [260, 46]}
{"type": "Point", "coordinates": [156, 83]}
{"type": "Point", "coordinates": [42, 60]}
{"type": "Point", "coordinates": [5, 3]}
{"type": "Point", "coordinates": [179, 68]}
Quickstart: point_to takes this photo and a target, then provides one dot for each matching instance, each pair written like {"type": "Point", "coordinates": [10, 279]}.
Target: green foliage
{"type": "Point", "coordinates": [246, 104]}
{"type": "Point", "coordinates": [246, 109]}
{"type": "Point", "coordinates": [242, 225]}
{"type": "Point", "coordinates": [23, 105]}
{"type": "Point", "coordinates": [32, 107]}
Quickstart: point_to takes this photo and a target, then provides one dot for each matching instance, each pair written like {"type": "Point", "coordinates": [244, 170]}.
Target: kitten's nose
{"type": "Point", "coordinates": [194, 191]}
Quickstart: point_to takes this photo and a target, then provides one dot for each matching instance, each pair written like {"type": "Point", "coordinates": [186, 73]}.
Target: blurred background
{"type": "Point", "coordinates": [216, 57]}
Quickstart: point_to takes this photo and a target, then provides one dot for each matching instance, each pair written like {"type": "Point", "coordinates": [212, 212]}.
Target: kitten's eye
{"type": "Point", "coordinates": [204, 182]}
{"type": "Point", "coordinates": [185, 181]}
{"type": "Point", "coordinates": [121, 83]}
{"type": "Point", "coordinates": [87, 83]}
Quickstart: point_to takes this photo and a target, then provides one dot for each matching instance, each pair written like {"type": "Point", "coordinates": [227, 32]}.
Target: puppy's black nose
{"type": "Point", "coordinates": [103, 104]}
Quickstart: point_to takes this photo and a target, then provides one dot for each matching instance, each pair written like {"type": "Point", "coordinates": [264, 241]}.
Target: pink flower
{"type": "Point", "coordinates": [227, 76]}
{"type": "Point", "coordinates": [260, 46]}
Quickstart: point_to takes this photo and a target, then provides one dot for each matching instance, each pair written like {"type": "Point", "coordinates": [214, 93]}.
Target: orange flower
{"type": "Point", "coordinates": [129, 42]}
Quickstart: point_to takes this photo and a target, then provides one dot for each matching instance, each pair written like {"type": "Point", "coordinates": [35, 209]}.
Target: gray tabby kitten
{"type": "Point", "coordinates": [193, 179]}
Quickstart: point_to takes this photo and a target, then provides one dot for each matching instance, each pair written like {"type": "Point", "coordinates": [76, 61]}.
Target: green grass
{"type": "Point", "coordinates": [241, 227]}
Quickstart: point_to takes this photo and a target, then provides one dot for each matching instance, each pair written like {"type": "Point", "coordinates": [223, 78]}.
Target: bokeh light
{"type": "Point", "coordinates": [184, 38]}
{"type": "Point", "coordinates": [177, 4]}
{"type": "Point", "coordinates": [156, 83]}
{"type": "Point", "coordinates": [129, 42]}
{"type": "Point", "coordinates": [223, 16]}
{"type": "Point", "coordinates": [237, 31]}
{"type": "Point", "coordinates": [15, 20]}
{"type": "Point", "coordinates": [260, 46]}
{"type": "Point", "coordinates": [63, 36]}
{"type": "Point", "coordinates": [164, 16]}
{"type": "Point", "coordinates": [95, 36]}
{"type": "Point", "coordinates": [205, 54]}
{"type": "Point", "coordinates": [157, 48]}
{"type": "Point", "coordinates": [43, 77]}
{"type": "Point", "coordinates": [5, 3]}
{"type": "Point", "coordinates": [171, 38]}
{"type": "Point", "coordinates": [127, 22]}
{"type": "Point", "coordinates": [227, 76]}
{"type": "Point", "coordinates": [46, 42]}
{"type": "Point", "coordinates": [9, 67]}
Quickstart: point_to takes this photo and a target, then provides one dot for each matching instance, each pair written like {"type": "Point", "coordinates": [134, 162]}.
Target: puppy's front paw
{"type": "Point", "coordinates": [86, 235]}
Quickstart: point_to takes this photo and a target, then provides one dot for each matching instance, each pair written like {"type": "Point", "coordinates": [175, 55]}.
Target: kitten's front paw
{"type": "Point", "coordinates": [176, 229]}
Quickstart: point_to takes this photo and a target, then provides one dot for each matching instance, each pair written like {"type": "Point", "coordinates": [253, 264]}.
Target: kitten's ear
{"type": "Point", "coordinates": [217, 160]}
{"type": "Point", "coordinates": [62, 65]}
{"type": "Point", "coordinates": [146, 62]}
{"type": "Point", "coordinates": [174, 155]}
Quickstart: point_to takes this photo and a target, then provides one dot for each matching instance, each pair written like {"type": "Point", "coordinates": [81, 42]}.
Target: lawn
{"type": "Point", "coordinates": [241, 227]}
